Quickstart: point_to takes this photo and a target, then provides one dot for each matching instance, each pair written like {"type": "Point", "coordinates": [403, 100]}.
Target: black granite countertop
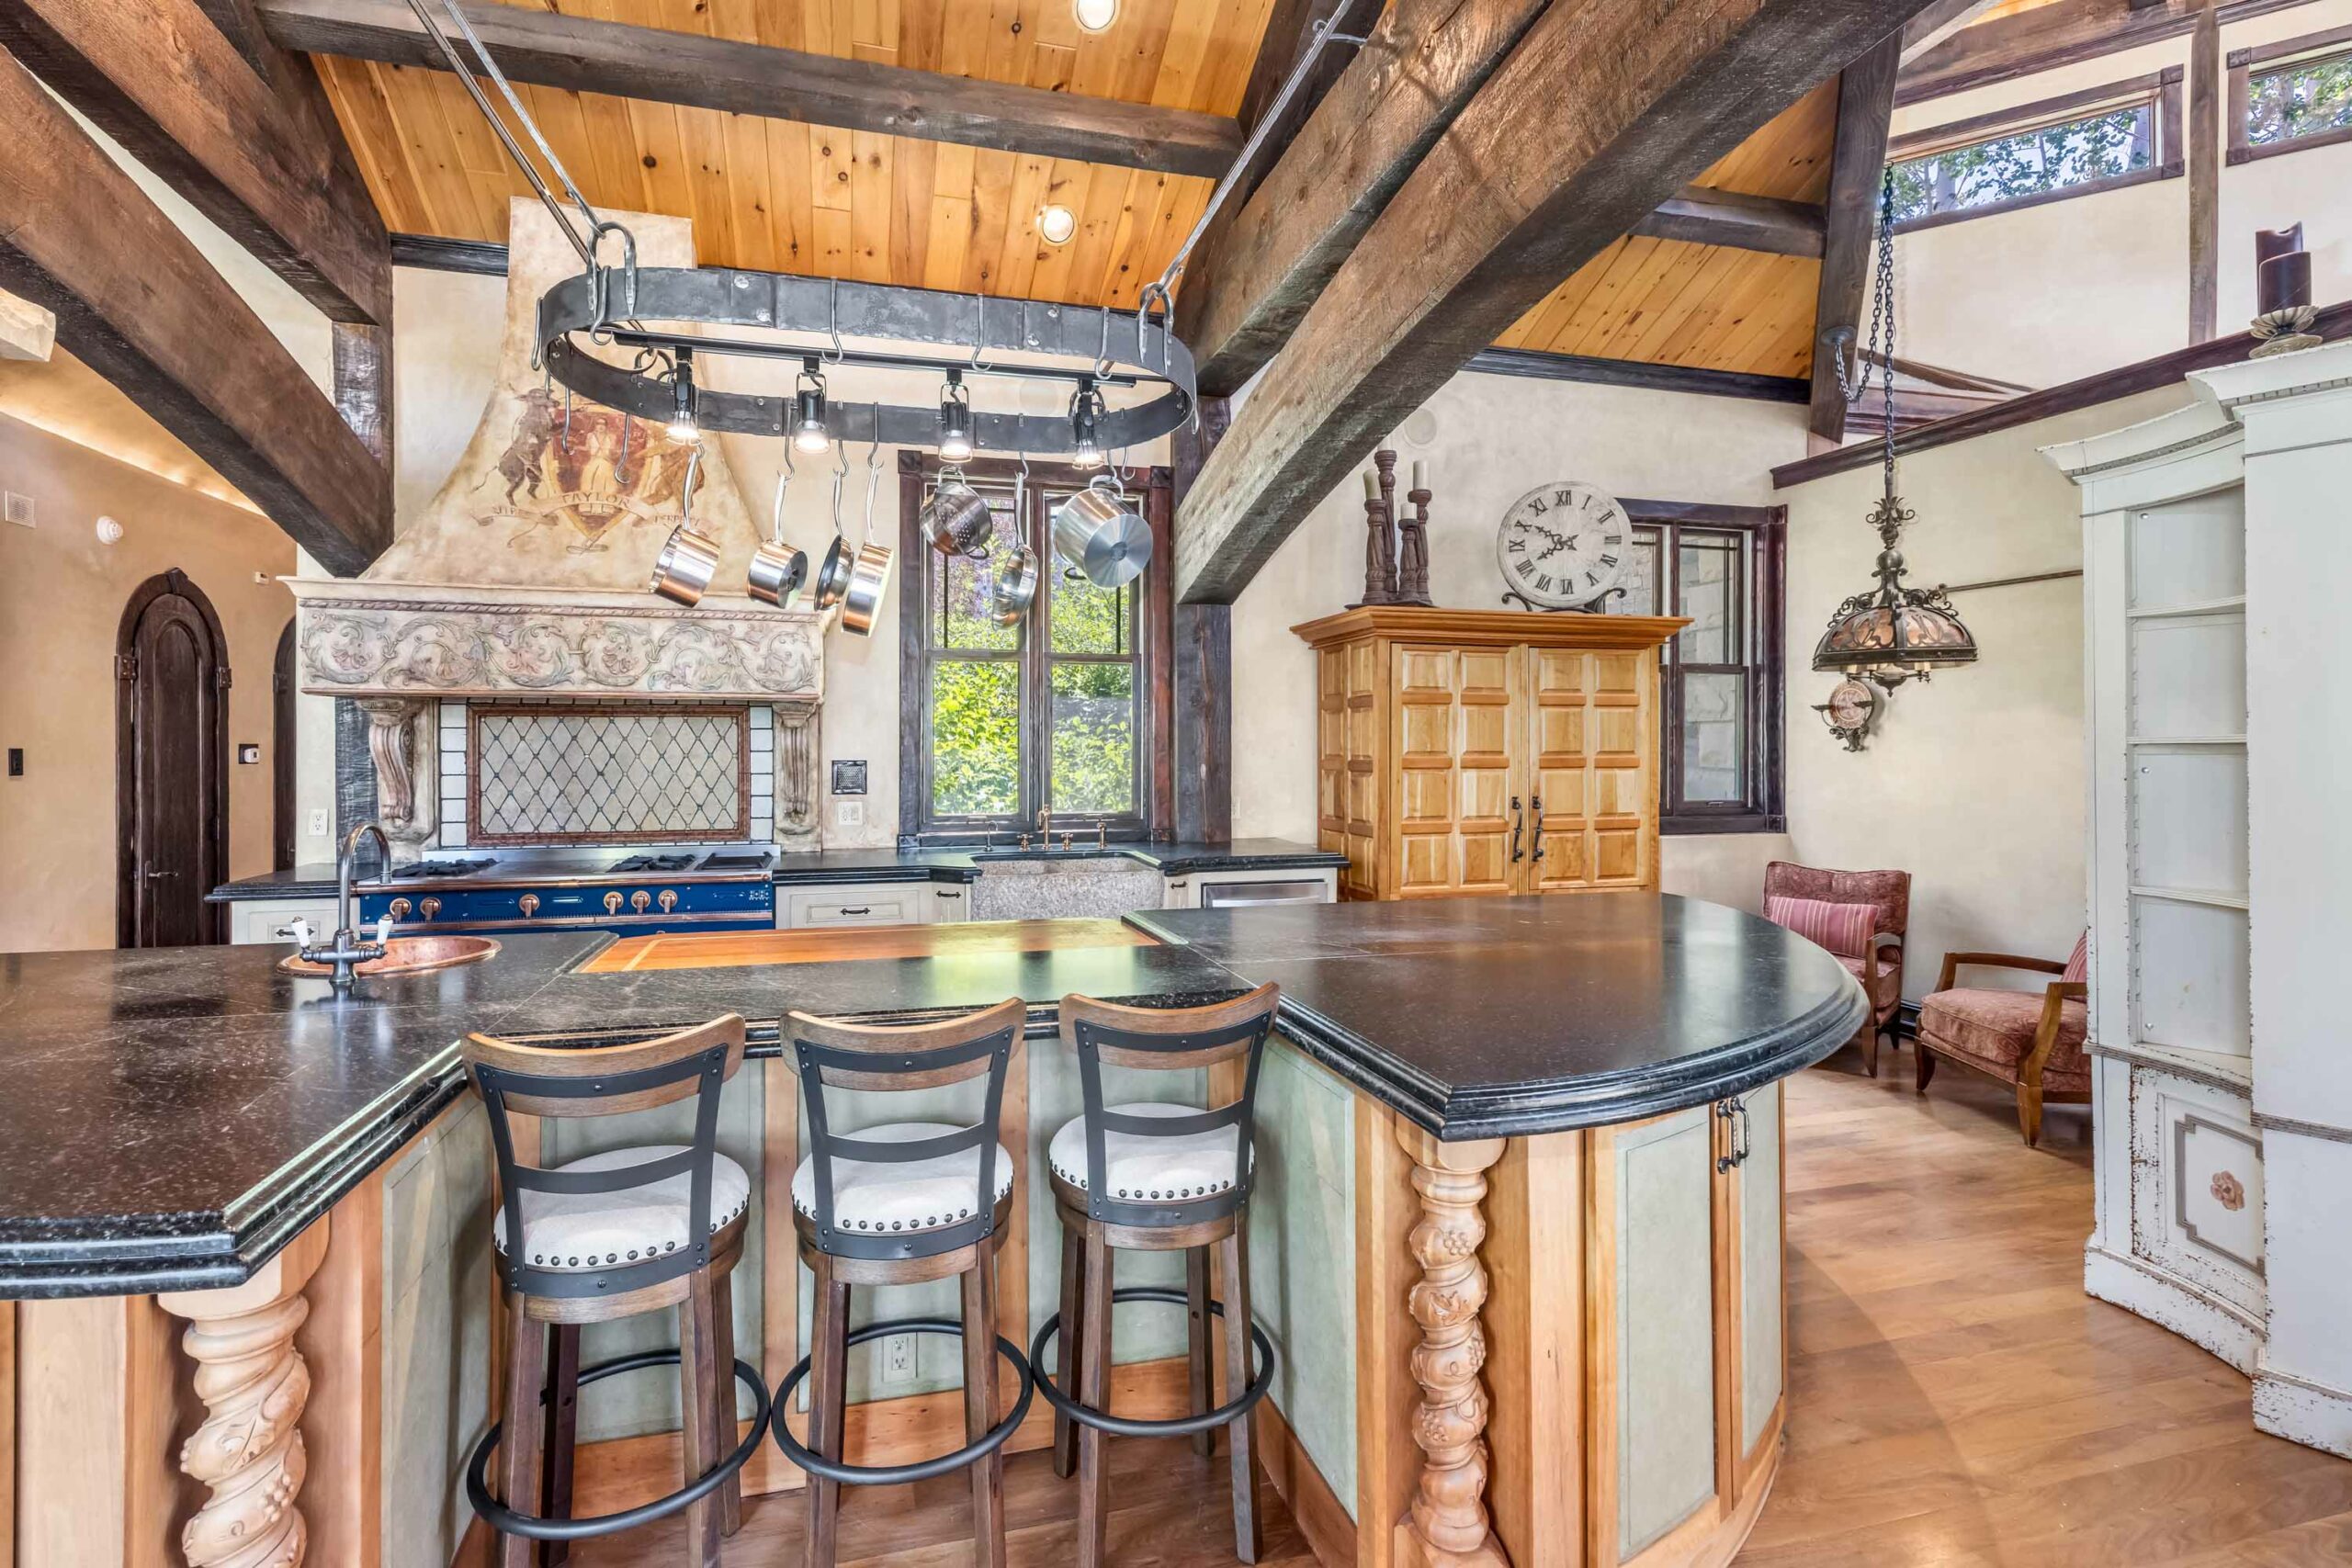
{"type": "Point", "coordinates": [176, 1115]}
{"type": "Point", "coordinates": [294, 881]}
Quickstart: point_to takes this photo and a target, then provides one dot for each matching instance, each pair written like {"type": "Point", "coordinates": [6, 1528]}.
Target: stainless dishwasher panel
{"type": "Point", "coordinates": [1233, 895]}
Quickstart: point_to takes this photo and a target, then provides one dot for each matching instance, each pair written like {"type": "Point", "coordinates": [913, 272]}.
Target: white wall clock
{"type": "Point", "coordinates": [1564, 546]}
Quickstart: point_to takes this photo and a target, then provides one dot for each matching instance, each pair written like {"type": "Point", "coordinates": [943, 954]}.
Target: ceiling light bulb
{"type": "Point", "coordinates": [683, 426]}
{"type": "Point", "coordinates": [1056, 224]}
{"type": "Point", "coordinates": [955, 419]}
{"type": "Point", "coordinates": [808, 430]}
{"type": "Point", "coordinates": [1096, 16]}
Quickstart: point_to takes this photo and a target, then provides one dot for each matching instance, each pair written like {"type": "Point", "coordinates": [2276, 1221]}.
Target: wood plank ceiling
{"type": "Point", "coordinates": [788, 197]}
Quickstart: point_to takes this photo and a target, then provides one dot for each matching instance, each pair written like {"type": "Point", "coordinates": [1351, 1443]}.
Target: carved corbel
{"type": "Point", "coordinates": [402, 744]}
{"type": "Point", "coordinates": [799, 817]}
{"type": "Point", "coordinates": [1447, 1525]}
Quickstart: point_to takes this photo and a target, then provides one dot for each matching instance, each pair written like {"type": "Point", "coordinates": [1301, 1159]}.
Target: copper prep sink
{"type": "Point", "coordinates": [408, 955]}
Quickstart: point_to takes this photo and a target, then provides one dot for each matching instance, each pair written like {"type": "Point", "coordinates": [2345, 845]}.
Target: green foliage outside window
{"type": "Point", "coordinates": [2026, 162]}
{"type": "Point", "coordinates": [2299, 100]}
{"type": "Point", "coordinates": [974, 738]}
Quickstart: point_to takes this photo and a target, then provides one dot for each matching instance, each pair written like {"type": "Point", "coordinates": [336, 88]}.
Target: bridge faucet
{"type": "Point", "coordinates": [347, 950]}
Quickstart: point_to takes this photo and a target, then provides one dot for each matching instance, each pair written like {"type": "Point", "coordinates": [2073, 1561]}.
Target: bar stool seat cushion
{"type": "Point", "coordinates": [1195, 1164]}
{"type": "Point", "coordinates": [597, 1230]}
{"type": "Point", "coordinates": [918, 1195]}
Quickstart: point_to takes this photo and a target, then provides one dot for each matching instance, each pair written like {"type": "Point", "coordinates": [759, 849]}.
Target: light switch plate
{"type": "Point", "coordinates": [849, 814]}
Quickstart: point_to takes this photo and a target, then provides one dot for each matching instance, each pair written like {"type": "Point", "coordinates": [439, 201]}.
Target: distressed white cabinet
{"type": "Point", "coordinates": [254, 920]}
{"type": "Point", "coordinates": [855, 904]}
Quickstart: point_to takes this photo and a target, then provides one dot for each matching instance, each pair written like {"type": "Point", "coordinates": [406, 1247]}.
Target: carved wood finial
{"type": "Point", "coordinates": [1447, 1523]}
{"type": "Point", "coordinates": [248, 1449]}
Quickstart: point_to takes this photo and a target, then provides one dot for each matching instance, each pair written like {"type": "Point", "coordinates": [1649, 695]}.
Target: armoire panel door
{"type": "Point", "coordinates": [1624, 793]}
{"type": "Point", "coordinates": [1558, 726]}
{"type": "Point", "coordinates": [1454, 770]}
{"type": "Point", "coordinates": [1652, 1295]}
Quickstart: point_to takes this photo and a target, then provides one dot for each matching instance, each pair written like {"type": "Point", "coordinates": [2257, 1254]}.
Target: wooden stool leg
{"type": "Point", "coordinates": [696, 1374]}
{"type": "Point", "coordinates": [562, 1429]}
{"type": "Point", "coordinates": [1067, 1351]}
{"type": "Point", "coordinates": [980, 1407]}
{"type": "Point", "coordinates": [1094, 1389]}
{"type": "Point", "coordinates": [723, 1433]}
{"type": "Point", "coordinates": [1196, 1303]}
{"type": "Point", "coordinates": [1234, 1261]}
{"type": "Point", "coordinates": [518, 1441]}
{"type": "Point", "coordinates": [828, 1388]}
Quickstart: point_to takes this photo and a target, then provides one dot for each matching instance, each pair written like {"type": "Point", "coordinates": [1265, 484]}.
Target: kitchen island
{"type": "Point", "coordinates": [1517, 1217]}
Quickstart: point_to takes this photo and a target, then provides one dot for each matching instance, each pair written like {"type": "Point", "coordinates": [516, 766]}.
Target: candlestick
{"type": "Point", "coordinates": [1413, 549]}
{"type": "Point", "coordinates": [2285, 281]}
{"type": "Point", "coordinates": [1420, 475]}
{"type": "Point", "coordinates": [1372, 486]}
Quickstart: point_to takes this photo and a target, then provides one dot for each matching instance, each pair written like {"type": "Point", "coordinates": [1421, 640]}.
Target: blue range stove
{"type": "Point", "coordinates": [629, 895]}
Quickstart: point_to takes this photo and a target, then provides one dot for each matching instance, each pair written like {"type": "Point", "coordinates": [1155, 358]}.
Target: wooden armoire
{"type": "Point", "coordinates": [1487, 750]}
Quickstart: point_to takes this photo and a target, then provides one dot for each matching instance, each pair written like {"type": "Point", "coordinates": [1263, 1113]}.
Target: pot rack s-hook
{"type": "Point", "coordinates": [600, 330]}
{"type": "Point", "coordinates": [841, 472]}
{"type": "Point", "coordinates": [620, 465]}
{"type": "Point", "coordinates": [833, 325]}
{"type": "Point", "coordinates": [1103, 366]}
{"type": "Point", "coordinates": [686, 491]}
{"type": "Point", "coordinates": [873, 472]}
{"type": "Point", "coordinates": [979, 328]}
{"type": "Point", "coordinates": [783, 483]}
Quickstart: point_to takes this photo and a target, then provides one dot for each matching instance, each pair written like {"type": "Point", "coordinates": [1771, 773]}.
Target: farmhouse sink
{"type": "Point", "coordinates": [408, 955]}
{"type": "Point", "coordinates": [1076, 852]}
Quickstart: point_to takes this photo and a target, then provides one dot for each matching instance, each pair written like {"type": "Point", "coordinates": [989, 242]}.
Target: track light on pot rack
{"type": "Point", "coordinates": [683, 426]}
{"type": "Point", "coordinates": [955, 419]}
{"type": "Point", "coordinates": [810, 431]}
{"type": "Point", "coordinates": [1086, 422]}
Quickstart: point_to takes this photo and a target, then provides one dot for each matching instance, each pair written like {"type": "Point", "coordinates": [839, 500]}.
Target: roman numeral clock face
{"type": "Point", "coordinates": [1564, 546]}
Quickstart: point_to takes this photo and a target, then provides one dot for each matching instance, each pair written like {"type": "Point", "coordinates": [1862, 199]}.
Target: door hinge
{"type": "Point", "coordinates": [126, 667]}
{"type": "Point", "coordinates": [221, 677]}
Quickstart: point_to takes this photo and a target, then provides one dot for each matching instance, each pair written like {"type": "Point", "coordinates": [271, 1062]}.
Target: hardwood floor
{"type": "Point", "coordinates": [1955, 1398]}
{"type": "Point", "coordinates": [1957, 1401]}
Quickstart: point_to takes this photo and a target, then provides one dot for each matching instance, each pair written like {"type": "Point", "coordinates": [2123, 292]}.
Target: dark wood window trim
{"type": "Point", "coordinates": [2161, 87]}
{"type": "Point", "coordinates": [2243, 62]}
{"type": "Point", "coordinates": [1155, 641]}
{"type": "Point", "coordinates": [1766, 527]}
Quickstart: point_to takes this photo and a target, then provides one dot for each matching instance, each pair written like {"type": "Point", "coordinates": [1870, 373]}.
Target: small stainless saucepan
{"type": "Point", "coordinates": [833, 573]}
{"type": "Point", "coordinates": [689, 559]}
{"type": "Point", "coordinates": [869, 577]}
{"type": "Point", "coordinates": [1012, 574]}
{"type": "Point", "coordinates": [956, 519]}
{"type": "Point", "coordinates": [777, 569]}
{"type": "Point", "coordinates": [1101, 536]}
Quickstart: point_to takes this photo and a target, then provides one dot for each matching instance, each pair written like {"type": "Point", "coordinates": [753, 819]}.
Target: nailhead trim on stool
{"type": "Point", "coordinates": [875, 1197]}
{"type": "Point", "coordinates": [618, 1218]}
{"type": "Point", "coordinates": [1148, 1168]}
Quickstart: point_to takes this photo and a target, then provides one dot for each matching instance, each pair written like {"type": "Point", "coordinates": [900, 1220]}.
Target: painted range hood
{"type": "Point", "coordinates": [526, 576]}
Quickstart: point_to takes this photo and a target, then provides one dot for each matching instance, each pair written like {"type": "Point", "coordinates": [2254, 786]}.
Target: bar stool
{"type": "Point", "coordinates": [1155, 1177]}
{"type": "Point", "coordinates": [900, 1205]}
{"type": "Point", "coordinates": [609, 1236]}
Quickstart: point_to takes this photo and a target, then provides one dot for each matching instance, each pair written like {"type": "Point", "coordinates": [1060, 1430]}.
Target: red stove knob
{"type": "Point", "coordinates": [528, 904]}
{"type": "Point", "coordinates": [612, 903]}
{"type": "Point", "coordinates": [669, 901]}
{"type": "Point", "coordinates": [640, 900]}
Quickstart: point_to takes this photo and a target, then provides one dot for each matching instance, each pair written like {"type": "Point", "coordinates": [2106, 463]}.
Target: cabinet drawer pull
{"type": "Point", "coordinates": [861, 910]}
{"type": "Point", "coordinates": [947, 895]}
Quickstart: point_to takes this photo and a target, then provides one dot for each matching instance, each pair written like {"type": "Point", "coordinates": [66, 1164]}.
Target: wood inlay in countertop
{"type": "Point", "coordinates": [737, 950]}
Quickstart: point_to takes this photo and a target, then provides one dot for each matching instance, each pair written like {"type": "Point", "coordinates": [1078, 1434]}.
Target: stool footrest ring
{"type": "Point", "coordinates": [986, 1443]}
{"type": "Point", "coordinates": [1231, 1410]}
{"type": "Point", "coordinates": [531, 1527]}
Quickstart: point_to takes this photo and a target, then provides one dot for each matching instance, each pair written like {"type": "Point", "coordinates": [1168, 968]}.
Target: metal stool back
{"type": "Point", "coordinates": [1100, 1219]}
{"type": "Point", "coordinates": [898, 1060]}
{"type": "Point", "coordinates": [518, 1081]}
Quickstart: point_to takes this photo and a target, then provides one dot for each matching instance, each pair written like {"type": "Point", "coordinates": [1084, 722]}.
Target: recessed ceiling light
{"type": "Point", "coordinates": [1056, 224]}
{"type": "Point", "coordinates": [1096, 16]}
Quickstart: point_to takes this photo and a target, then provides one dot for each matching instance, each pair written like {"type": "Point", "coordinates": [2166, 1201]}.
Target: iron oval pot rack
{"type": "Point", "coordinates": [1121, 348]}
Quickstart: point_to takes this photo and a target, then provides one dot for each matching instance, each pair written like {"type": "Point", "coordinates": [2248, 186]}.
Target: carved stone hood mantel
{"type": "Point", "coordinates": [526, 576]}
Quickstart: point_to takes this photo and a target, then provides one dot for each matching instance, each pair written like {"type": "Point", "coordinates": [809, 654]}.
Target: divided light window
{"type": "Point", "coordinates": [2292, 95]}
{"type": "Point", "coordinates": [1720, 718]}
{"type": "Point", "coordinates": [1051, 710]}
{"type": "Point", "coordinates": [2094, 140]}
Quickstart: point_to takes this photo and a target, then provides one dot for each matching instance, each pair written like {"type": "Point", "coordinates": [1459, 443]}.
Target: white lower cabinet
{"type": "Point", "coordinates": [856, 904]}
{"type": "Point", "coordinates": [253, 920]}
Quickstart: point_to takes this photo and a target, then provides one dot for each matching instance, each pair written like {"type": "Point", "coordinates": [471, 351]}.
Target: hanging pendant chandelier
{"type": "Point", "coordinates": [1889, 634]}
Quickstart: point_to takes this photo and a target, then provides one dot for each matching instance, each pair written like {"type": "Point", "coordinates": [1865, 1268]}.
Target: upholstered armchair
{"type": "Point", "coordinates": [2032, 1040]}
{"type": "Point", "coordinates": [1870, 948]}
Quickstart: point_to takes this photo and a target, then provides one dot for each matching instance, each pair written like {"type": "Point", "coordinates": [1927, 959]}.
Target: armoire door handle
{"type": "Point", "coordinates": [1517, 823]}
{"type": "Point", "coordinates": [1536, 800]}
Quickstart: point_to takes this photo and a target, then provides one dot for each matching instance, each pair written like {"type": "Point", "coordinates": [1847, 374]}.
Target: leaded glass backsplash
{"type": "Point", "coordinates": [543, 773]}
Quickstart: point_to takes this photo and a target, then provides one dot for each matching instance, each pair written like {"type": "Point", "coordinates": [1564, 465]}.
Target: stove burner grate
{"type": "Point", "coordinates": [659, 863]}
{"type": "Point", "coordinates": [436, 868]}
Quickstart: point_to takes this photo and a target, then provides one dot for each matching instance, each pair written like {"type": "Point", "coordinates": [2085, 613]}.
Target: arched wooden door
{"type": "Point", "coordinates": [281, 752]}
{"type": "Point", "coordinates": [171, 765]}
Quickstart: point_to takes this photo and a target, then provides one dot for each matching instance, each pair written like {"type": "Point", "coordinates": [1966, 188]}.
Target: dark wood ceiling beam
{"type": "Point", "coordinates": [168, 84]}
{"type": "Point", "coordinates": [1254, 276]}
{"type": "Point", "coordinates": [1703, 217]}
{"type": "Point", "coordinates": [2062, 33]}
{"type": "Point", "coordinates": [138, 303]}
{"type": "Point", "coordinates": [585, 55]}
{"type": "Point", "coordinates": [1857, 158]}
{"type": "Point", "coordinates": [1598, 115]}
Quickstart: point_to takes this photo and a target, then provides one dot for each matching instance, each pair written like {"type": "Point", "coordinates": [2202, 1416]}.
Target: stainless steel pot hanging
{"type": "Point", "coordinates": [1012, 574]}
{"type": "Point", "coordinates": [1097, 533]}
{"type": "Point", "coordinates": [870, 579]}
{"type": "Point", "coordinates": [777, 569]}
{"type": "Point", "coordinates": [682, 572]}
{"type": "Point", "coordinates": [832, 574]}
{"type": "Point", "coordinates": [955, 519]}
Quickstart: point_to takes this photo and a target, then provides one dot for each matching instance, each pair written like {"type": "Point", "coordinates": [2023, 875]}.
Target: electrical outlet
{"type": "Point", "coordinates": [849, 814]}
{"type": "Point", "coordinates": [318, 829]}
{"type": "Point", "coordinates": [19, 509]}
{"type": "Point", "coordinates": [900, 1357]}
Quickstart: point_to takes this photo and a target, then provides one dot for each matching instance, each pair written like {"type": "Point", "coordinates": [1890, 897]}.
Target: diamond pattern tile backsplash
{"type": "Point", "coordinates": [563, 774]}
